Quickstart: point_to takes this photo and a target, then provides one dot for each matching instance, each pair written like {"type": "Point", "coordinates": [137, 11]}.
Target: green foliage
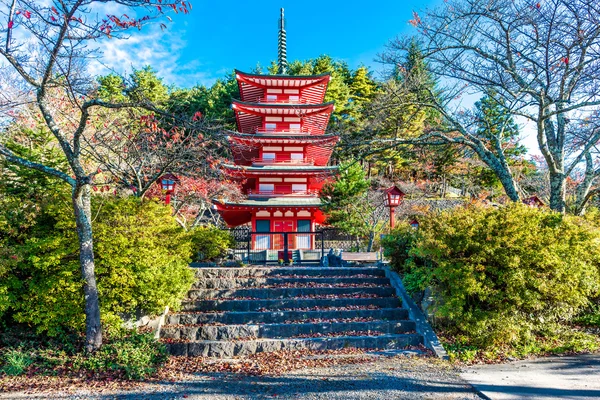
{"type": "Point", "coordinates": [136, 356]}
{"type": "Point", "coordinates": [142, 258]}
{"type": "Point", "coordinates": [131, 355]}
{"type": "Point", "coordinates": [350, 89]}
{"type": "Point", "coordinates": [397, 245]}
{"type": "Point", "coordinates": [213, 102]}
{"type": "Point", "coordinates": [210, 242]}
{"type": "Point", "coordinates": [342, 198]}
{"type": "Point", "coordinates": [15, 361]}
{"type": "Point", "coordinates": [590, 317]}
{"type": "Point", "coordinates": [144, 86]}
{"type": "Point", "coordinates": [502, 276]}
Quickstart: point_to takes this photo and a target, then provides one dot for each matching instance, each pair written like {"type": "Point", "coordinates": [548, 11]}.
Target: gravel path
{"type": "Point", "coordinates": [385, 378]}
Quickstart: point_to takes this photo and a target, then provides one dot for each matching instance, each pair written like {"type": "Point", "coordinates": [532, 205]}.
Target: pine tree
{"type": "Point", "coordinates": [496, 125]}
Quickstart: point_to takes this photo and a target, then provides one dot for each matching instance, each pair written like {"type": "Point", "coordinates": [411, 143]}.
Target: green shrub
{"type": "Point", "coordinates": [135, 355]}
{"type": "Point", "coordinates": [210, 243]}
{"type": "Point", "coordinates": [397, 246]}
{"type": "Point", "coordinates": [502, 276]}
{"type": "Point", "coordinates": [141, 253]}
{"type": "Point", "coordinates": [590, 316]}
{"type": "Point", "coordinates": [15, 361]}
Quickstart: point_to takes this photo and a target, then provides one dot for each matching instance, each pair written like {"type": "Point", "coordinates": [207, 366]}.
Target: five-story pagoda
{"type": "Point", "coordinates": [281, 151]}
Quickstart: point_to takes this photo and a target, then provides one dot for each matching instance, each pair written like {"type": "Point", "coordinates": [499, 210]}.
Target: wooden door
{"type": "Point", "coordinates": [282, 226]}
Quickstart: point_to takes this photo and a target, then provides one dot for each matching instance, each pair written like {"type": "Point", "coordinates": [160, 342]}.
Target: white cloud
{"type": "Point", "coordinates": [161, 49]}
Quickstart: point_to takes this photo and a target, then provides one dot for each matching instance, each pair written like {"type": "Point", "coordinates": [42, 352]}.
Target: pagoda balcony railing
{"type": "Point", "coordinates": [301, 131]}
{"type": "Point", "coordinates": [282, 193]}
{"type": "Point", "coordinates": [282, 101]}
{"type": "Point", "coordinates": [281, 161]}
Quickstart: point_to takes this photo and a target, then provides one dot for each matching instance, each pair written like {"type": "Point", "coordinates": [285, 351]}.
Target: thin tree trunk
{"type": "Point", "coordinates": [583, 189]}
{"type": "Point", "coordinates": [371, 240]}
{"type": "Point", "coordinates": [82, 207]}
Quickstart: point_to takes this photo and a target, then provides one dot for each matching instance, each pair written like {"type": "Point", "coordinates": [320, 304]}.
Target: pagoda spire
{"type": "Point", "coordinates": [282, 47]}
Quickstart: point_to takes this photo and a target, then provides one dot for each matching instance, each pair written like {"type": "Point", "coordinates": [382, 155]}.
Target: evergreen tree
{"type": "Point", "coordinates": [351, 206]}
{"type": "Point", "coordinates": [496, 125]}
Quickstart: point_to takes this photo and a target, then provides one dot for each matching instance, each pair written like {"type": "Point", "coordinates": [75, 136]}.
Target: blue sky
{"type": "Point", "coordinates": [219, 36]}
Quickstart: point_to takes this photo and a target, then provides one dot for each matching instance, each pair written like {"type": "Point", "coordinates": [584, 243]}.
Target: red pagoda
{"type": "Point", "coordinates": [280, 153]}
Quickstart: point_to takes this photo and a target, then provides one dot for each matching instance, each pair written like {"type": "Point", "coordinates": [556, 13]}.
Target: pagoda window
{"type": "Point", "coordinates": [303, 241]}
{"type": "Point", "coordinates": [270, 127]}
{"type": "Point", "coordinates": [263, 242]}
{"type": "Point", "coordinates": [297, 157]}
{"type": "Point", "coordinates": [268, 156]}
{"type": "Point", "coordinates": [299, 188]}
{"type": "Point", "coordinates": [294, 99]}
{"type": "Point", "coordinates": [271, 98]}
{"type": "Point", "coordinates": [295, 127]}
{"type": "Point", "coordinates": [266, 188]}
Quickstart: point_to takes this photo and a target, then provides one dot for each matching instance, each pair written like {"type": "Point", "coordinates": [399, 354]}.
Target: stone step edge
{"type": "Point", "coordinates": [323, 279]}
{"type": "Point", "coordinates": [278, 324]}
{"type": "Point", "coordinates": [289, 268]}
{"type": "Point", "coordinates": [282, 312]}
{"type": "Point", "coordinates": [277, 316]}
{"type": "Point", "coordinates": [286, 293]}
{"type": "Point", "coordinates": [278, 304]}
{"type": "Point", "coordinates": [246, 347]}
{"type": "Point", "coordinates": [346, 296]}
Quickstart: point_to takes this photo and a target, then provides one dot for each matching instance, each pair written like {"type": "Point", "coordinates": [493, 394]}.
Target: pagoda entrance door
{"type": "Point", "coordinates": [282, 226]}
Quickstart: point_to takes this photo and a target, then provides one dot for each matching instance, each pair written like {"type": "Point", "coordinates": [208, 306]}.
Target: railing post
{"type": "Point", "coordinates": [322, 245]}
{"type": "Point", "coordinates": [286, 256]}
{"type": "Point", "coordinates": [249, 245]}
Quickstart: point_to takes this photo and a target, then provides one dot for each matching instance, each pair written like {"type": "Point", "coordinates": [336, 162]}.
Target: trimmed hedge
{"type": "Point", "coordinates": [500, 276]}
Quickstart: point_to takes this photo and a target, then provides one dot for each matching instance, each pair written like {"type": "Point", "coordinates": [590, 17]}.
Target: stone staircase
{"type": "Point", "coordinates": [242, 311]}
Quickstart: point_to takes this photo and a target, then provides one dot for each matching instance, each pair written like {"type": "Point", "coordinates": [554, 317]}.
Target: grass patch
{"type": "Point", "coordinates": [130, 356]}
{"type": "Point", "coordinates": [15, 361]}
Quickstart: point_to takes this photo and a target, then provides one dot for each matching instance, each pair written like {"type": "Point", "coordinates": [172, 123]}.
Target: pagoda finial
{"type": "Point", "coordinates": [282, 47]}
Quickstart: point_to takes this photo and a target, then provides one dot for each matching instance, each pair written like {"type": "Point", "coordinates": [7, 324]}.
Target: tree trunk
{"type": "Point", "coordinates": [509, 185]}
{"type": "Point", "coordinates": [371, 240]}
{"type": "Point", "coordinates": [83, 213]}
{"type": "Point", "coordinates": [584, 188]}
{"type": "Point", "coordinates": [557, 191]}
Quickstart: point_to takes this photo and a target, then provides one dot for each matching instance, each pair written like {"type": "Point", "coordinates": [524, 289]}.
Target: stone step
{"type": "Point", "coordinates": [233, 332]}
{"type": "Point", "coordinates": [279, 293]}
{"type": "Point", "coordinates": [233, 283]}
{"type": "Point", "coordinates": [245, 272]}
{"type": "Point", "coordinates": [273, 317]}
{"type": "Point", "coordinates": [220, 348]}
{"type": "Point", "coordinates": [290, 303]}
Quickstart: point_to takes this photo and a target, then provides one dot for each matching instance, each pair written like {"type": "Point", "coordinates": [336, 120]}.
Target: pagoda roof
{"type": "Point", "coordinates": [248, 83]}
{"type": "Point", "coordinates": [273, 202]}
{"type": "Point", "coordinates": [249, 116]}
{"type": "Point", "coordinates": [241, 212]}
{"type": "Point", "coordinates": [282, 108]}
{"type": "Point", "coordinates": [275, 169]}
{"type": "Point", "coordinates": [280, 138]}
{"type": "Point", "coordinates": [252, 86]}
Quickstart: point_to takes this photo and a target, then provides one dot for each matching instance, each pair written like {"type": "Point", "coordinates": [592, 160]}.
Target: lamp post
{"type": "Point", "coordinates": [168, 183]}
{"type": "Point", "coordinates": [393, 199]}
